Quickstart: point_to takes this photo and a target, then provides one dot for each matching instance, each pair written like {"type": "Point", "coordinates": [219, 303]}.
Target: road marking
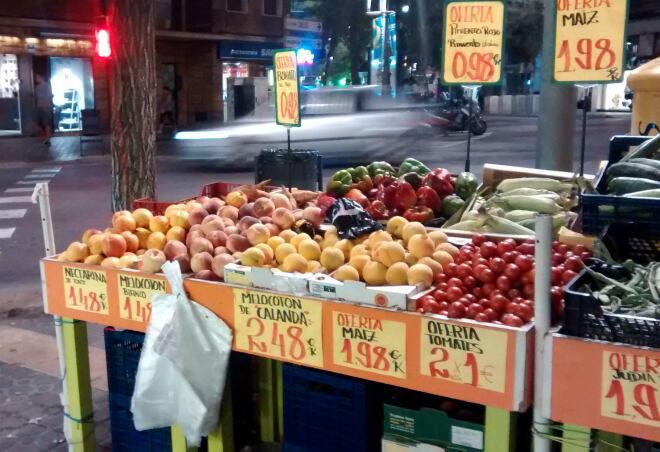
{"type": "Point", "coordinates": [12, 214]}
{"type": "Point", "coordinates": [15, 199]}
{"type": "Point", "coordinates": [53, 169]}
{"type": "Point", "coordinates": [37, 176]}
{"type": "Point", "coordinates": [20, 190]}
{"type": "Point", "coordinates": [6, 233]}
{"type": "Point", "coordinates": [31, 182]}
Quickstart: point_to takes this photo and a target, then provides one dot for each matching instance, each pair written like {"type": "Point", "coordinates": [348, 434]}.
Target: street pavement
{"type": "Point", "coordinates": [80, 198]}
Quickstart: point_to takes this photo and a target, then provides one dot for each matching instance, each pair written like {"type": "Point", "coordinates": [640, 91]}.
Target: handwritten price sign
{"type": "Point", "coordinates": [369, 344]}
{"type": "Point", "coordinates": [85, 290]}
{"type": "Point", "coordinates": [135, 294]}
{"type": "Point", "coordinates": [589, 40]}
{"type": "Point", "coordinates": [463, 354]}
{"type": "Point", "coordinates": [287, 88]}
{"type": "Point", "coordinates": [631, 387]}
{"type": "Point", "coordinates": [473, 40]}
{"type": "Point", "coordinates": [278, 326]}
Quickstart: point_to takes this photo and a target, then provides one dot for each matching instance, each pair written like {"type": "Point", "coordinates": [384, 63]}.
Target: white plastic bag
{"type": "Point", "coordinates": [183, 366]}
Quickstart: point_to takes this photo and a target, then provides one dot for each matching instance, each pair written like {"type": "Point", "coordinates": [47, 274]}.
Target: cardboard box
{"type": "Point", "coordinates": [396, 297]}
{"type": "Point", "coordinates": [433, 427]}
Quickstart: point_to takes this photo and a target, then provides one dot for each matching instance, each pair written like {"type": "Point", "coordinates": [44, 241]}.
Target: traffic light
{"type": "Point", "coordinates": [102, 32]}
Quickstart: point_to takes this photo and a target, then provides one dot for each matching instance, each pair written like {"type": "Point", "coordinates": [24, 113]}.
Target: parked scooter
{"type": "Point", "coordinates": [454, 115]}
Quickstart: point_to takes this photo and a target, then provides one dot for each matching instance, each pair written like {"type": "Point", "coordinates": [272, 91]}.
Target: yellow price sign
{"type": "Point", "coordinates": [85, 290]}
{"type": "Point", "coordinates": [589, 40]}
{"type": "Point", "coordinates": [473, 42]}
{"type": "Point", "coordinates": [369, 343]}
{"type": "Point", "coordinates": [135, 294]}
{"type": "Point", "coordinates": [287, 88]}
{"type": "Point", "coordinates": [463, 354]}
{"type": "Point", "coordinates": [279, 326]}
{"type": "Point", "coordinates": [630, 386]}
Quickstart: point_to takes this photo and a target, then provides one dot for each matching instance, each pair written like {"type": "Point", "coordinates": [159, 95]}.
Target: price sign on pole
{"type": "Point", "coordinates": [287, 88]}
{"type": "Point", "coordinates": [631, 387]}
{"type": "Point", "coordinates": [590, 37]}
{"type": "Point", "coordinates": [463, 354]}
{"type": "Point", "coordinates": [369, 344]}
{"type": "Point", "coordinates": [85, 290]}
{"type": "Point", "coordinates": [473, 42]}
{"type": "Point", "coordinates": [279, 326]}
{"type": "Point", "coordinates": [135, 294]}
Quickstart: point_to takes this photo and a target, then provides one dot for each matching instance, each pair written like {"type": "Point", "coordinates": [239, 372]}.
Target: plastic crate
{"type": "Point", "coordinates": [328, 412]}
{"type": "Point", "coordinates": [584, 317]}
{"type": "Point", "coordinates": [122, 351]}
{"type": "Point", "coordinates": [598, 210]}
{"type": "Point", "coordinates": [630, 241]}
{"type": "Point", "coordinates": [156, 207]}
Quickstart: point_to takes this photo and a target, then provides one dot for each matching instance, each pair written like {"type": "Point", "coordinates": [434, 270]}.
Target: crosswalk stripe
{"type": "Point", "coordinates": [6, 233]}
{"type": "Point", "coordinates": [37, 176]}
{"type": "Point", "coordinates": [31, 182]}
{"type": "Point", "coordinates": [12, 214]}
{"type": "Point", "coordinates": [20, 190]}
{"type": "Point", "coordinates": [54, 169]}
{"type": "Point", "coordinates": [15, 199]}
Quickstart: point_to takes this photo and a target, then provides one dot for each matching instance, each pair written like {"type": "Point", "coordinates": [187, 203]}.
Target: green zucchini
{"type": "Point", "coordinates": [627, 169]}
{"type": "Point", "coordinates": [648, 149]}
{"type": "Point", "coordinates": [623, 185]}
{"type": "Point", "coordinates": [649, 162]}
{"type": "Point", "coordinates": [652, 193]}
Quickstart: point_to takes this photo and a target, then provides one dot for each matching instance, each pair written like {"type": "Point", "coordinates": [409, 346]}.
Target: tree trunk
{"type": "Point", "coordinates": [133, 101]}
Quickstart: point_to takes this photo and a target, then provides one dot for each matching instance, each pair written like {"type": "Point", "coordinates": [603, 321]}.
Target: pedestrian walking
{"type": "Point", "coordinates": [166, 109]}
{"type": "Point", "coordinates": [44, 107]}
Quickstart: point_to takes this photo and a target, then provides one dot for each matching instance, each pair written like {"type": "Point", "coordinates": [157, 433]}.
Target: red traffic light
{"type": "Point", "coordinates": [102, 33]}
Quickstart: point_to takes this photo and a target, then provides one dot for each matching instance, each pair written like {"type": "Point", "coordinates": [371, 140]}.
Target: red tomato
{"type": "Point", "coordinates": [525, 312]}
{"type": "Point", "coordinates": [509, 257]}
{"type": "Point", "coordinates": [439, 295]}
{"type": "Point", "coordinates": [454, 293]}
{"type": "Point", "coordinates": [573, 263]}
{"type": "Point", "coordinates": [567, 276]}
{"type": "Point", "coordinates": [503, 283]}
{"type": "Point", "coordinates": [445, 313]}
{"type": "Point", "coordinates": [525, 263]}
{"type": "Point", "coordinates": [479, 261]}
{"type": "Point", "coordinates": [585, 256]}
{"type": "Point", "coordinates": [518, 300]}
{"type": "Point", "coordinates": [556, 294]}
{"type": "Point", "coordinates": [465, 301]}
{"type": "Point", "coordinates": [506, 246]}
{"type": "Point", "coordinates": [512, 271]}
{"type": "Point", "coordinates": [443, 286]}
{"type": "Point", "coordinates": [474, 309]}
{"type": "Point", "coordinates": [428, 304]}
{"type": "Point", "coordinates": [513, 293]}
{"type": "Point", "coordinates": [485, 302]}
{"type": "Point", "coordinates": [557, 258]}
{"type": "Point", "coordinates": [512, 320]}
{"type": "Point", "coordinates": [511, 308]}
{"type": "Point", "coordinates": [478, 269]}
{"type": "Point", "coordinates": [528, 290]}
{"type": "Point", "coordinates": [470, 297]}
{"type": "Point", "coordinates": [463, 271]}
{"type": "Point", "coordinates": [556, 275]}
{"type": "Point", "coordinates": [491, 313]}
{"type": "Point", "coordinates": [526, 248]}
{"type": "Point", "coordinates": [579, 249]}
{"type": "Point", "coordinates": [450, 271]}
{"type": "Point", "coordinates": [555, 244]}
{"type": "Point", "coordinates": [470, 282]}
{"type": "Point", "coordinates": [443, 305]}
{"type": "Point", "coordinates": [562, 248]}
{"type": "Point", "coordinates": [488, 249]}
{"type": "Point", "coordinates": [528, 277]}
{"type": "Point", "coordinates": [456, 310]}
{"type": "Point", "coordinates": [497, 264]}
{"type": "Point", "coordinates": [478, 239]}
{"type": "Point", "coordinates": [486, 276]}
{"type": "Point", "coordinates": [498, 303]}
{"type": "Point", "coordinates": [529, 303]}
{"type": "Point", "coordinates": [464, 255]}
{"type": "Point", "coordinates": [439, 278]}
{"type": "Point", "coordinates": [486, 289]}
{"type": "Point", "coordinates": [482, 317]}
{"type": "Point", "coordinates": [455, 282]}
{"type": "Point", "coordinates": [477, 292]}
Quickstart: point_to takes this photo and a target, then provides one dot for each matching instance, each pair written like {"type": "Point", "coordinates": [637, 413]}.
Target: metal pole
{"type": "Point", "coordinates": [386, 57]}
{"type": "Point", "coordinates": [469, 133]}
{"type": "Point", "coordinates": [42, 196]}
{"type": "Point", "coordinates": [586, 106]}
{"type": "Point", "coordinates": [542, 319]}
{"type": "Point", "coordinates": [556, 121]}
{"type": "Point", "coordinates": [290, 154]}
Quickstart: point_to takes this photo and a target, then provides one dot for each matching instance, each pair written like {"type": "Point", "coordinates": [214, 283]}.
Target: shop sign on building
{"type": "Point", "coordinates": [247, 50]}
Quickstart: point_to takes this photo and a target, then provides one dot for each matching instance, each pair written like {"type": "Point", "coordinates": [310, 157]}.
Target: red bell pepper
{"type": "Point", "coordinates": [439, 180]}
{"type": "Point", "coordinates": [422, 214]}
{"type": "Point", "coordinates": [404, 196]}
{"type": "Point", "coordinates": [377, 210]}
{"type": "Point", "coordinates": [428, 197]}
{"type": "Point", "coordinates": [357, 196]}
{"type": "Point", "coordinates": [383, 180]}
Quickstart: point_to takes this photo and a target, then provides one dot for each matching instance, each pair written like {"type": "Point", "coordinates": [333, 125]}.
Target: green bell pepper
{"type": "Point", "coordinates": [358, 173]}
{"type": "Point", "coordinates": [411, 165]}
{"type": "Point", "coordinates": [380, 168]}
{"type": "Point", "coordinates": [466, 185]}
{"type": "Point", "coordinates": [340, 183]}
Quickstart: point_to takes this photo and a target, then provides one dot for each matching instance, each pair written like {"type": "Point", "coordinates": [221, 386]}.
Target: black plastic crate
{"type": "Point", "coordinates": [598, 209]}
{"type": "Point", "coordinates": [329, 412]}
{"type": "Point", "coordinates": [631, 241]}
{"type": "Point", "coordinates": [122, 351]}
{"type": "Point", "coordinates": [584, 317]}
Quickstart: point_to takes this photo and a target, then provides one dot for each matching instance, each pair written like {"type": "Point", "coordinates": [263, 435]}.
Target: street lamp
{"type": "Point", "coordinates": [405, 9]}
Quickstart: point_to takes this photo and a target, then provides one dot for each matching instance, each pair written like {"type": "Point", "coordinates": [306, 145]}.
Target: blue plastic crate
{"type": "Point", "coordinates": [122, 351]}
{"type": "Point", "coordinates": [328, 412]}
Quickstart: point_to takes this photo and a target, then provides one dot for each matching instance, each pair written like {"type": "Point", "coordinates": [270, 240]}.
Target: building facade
{"type": "Point", "coordinates": [214, 56]}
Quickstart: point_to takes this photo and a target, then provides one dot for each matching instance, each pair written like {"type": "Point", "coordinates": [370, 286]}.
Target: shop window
{"type": "Point", "coordinates": [72, 85]}
{"type": "Point", "coordinates": [272, 8]}
{"type": "Point", "coordinates": [237, 6]}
